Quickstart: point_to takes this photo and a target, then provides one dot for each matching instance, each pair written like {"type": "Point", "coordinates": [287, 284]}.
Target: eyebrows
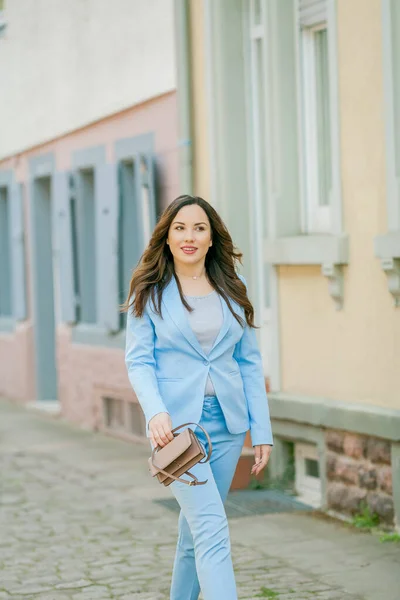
{"type": "Point", "coordinates": [195, 224]}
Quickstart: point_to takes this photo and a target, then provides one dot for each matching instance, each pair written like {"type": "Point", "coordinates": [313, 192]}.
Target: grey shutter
{"type": "Point", "coordinates": [107, 201]}
{"type": "Point", "coordinates": [312, 12]}
{"type": "Point", "coordinates": [151, 183]}
{"type": "Point", "coordinates": [63, 246]}
{"type": "Point", "coordinates": [145, 194]}
{"type": "Point", "coordinates": [18, 252]}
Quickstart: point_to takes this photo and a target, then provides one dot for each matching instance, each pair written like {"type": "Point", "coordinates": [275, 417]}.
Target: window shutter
{"type": "Point", "coordinates": [145, 194]}
{"type": "Point", "coordinates": [107, 201]}
{"type": "Point", "coordinates": [312, 12]}
{"type": "Point", "coordinates": [63, 245]}
{"type": "Point", "coordinates": [18, 252]}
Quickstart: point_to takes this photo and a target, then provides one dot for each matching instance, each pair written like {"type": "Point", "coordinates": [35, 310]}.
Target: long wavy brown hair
{"type": "Point", "coordinates": [156, 266]}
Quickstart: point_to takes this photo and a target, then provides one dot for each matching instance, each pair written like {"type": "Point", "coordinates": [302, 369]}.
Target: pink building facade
{"type": "Point", "coordinates": [78, 211]}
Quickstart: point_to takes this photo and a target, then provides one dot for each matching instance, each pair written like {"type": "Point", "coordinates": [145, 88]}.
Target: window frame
{"type": "Point", "coordinates": [128, 152]}
{"type": "Point", "coordinates": [287, 243]}
{"type": "Point", "coordinates": [289, 240]}
{"type": "Point", "coordinates": [316, 218]}
{"type": "Point", "coordinates": [387, 245]}
{"type": "Point", "coordinates": [86, 159]}
{"type": "Point", "coordinates": [82, 160]}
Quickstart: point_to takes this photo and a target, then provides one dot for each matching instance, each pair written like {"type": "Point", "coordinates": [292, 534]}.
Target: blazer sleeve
{"type": "Point", "coordinates": [248, 356]}
{"type": "Point", "coordinates": [140, 363]}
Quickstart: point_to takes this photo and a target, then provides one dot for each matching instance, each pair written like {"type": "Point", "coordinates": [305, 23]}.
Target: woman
{"type": "Point", "coordinates": [192, 355]}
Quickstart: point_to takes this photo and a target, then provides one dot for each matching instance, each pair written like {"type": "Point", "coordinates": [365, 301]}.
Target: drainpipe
{"type": "Point", "coordinates": [184, 95]}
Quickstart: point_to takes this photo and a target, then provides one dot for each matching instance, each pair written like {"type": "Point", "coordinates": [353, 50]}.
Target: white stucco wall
{"type": "Point", "coordinates": [66, 64]}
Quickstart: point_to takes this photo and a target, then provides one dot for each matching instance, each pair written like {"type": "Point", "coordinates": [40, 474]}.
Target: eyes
{"type": "Point", "coordinates": [199, 228]}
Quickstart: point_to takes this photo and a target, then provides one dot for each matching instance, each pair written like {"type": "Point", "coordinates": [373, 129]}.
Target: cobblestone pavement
{"type": "Point", "coordinates": [77, 522]}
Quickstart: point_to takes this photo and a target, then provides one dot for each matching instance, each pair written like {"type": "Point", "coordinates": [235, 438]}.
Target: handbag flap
{"type": "Point", "coordinates": [172, 450]}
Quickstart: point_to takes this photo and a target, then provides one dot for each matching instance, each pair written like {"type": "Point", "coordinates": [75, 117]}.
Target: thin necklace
{"type": "Point", "coordinates": [191, 276]}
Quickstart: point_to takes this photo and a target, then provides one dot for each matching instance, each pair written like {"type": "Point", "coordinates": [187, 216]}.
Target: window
{"type": "Point", "coordinates": [5, 255]}
{"type": "Point", "coordinates": [123, 418]}
{"type": "Point", "coordinates": [293, 140]}
{"type": "Point", "coordinates": [105, 214]}
{"type": "Point", "coordinates": [293, 116]}
{"type": "Point", "coordinates": [136, 217]}
{"type": "Point", "coordinates": [12, 252]}
{"type": "Point", "coordinates": [387, 246]}
{"type": "Point", "coordinates": [307, 478]}
{"type": "Point", "coordinates": [391, 68]}
{"type": "Point", "coordinates": [83, 227]}
{"type": "Point", "coordinates": [316, 128]}
{"type": "Point", "coordinates": [73, 209]}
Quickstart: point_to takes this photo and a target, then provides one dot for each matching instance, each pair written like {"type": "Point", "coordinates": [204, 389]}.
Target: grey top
{"type": "Point", "coordinates": [206, 321]}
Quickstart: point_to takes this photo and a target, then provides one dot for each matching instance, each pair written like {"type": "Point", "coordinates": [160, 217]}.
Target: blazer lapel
{"type": "Point", "coordinates": [225, 325]}
{"type": "Point", "coordinates": [173, 304]}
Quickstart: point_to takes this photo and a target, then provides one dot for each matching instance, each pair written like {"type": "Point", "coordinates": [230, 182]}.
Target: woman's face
{"type": "Point", "coordinates": [189, 236]}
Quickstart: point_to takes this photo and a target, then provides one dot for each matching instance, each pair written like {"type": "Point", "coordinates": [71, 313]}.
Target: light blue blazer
{"type": "Point", "coordinates": [168, 369]}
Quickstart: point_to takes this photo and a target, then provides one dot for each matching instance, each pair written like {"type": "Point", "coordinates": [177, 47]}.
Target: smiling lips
{"type": "Point", "coordinates": [189, 249]}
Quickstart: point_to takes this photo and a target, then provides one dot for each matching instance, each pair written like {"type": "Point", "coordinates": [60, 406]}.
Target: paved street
{"type": "Point", "coordinates": [77, 522]}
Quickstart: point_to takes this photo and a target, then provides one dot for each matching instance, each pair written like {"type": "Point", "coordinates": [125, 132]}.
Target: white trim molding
{"type": "Point", "coordinates": [231, 168]}
{"type": "Point", "coordinates": [387, 246]}
{"type": "Point", "coordinates": [290, 239]}
{"type": "Point", "coordinates": [331, 252]}
{"type": "Point", "coordinates": [308, 250]}
{"type": "Point", "coordinates": [327, 218]}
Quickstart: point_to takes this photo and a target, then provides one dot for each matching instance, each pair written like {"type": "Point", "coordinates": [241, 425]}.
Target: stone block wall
{"type": "Point", "coordinates": [359, 472]}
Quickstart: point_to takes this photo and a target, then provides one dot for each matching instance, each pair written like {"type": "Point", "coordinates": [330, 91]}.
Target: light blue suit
{"type": "Point", "coordinates": [168, 371]}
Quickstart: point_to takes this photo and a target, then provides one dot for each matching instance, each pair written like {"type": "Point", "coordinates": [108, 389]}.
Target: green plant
{"type": "Point", "coordinates": [267, 593]}
{"type": "Point", "coordinates": [390, 537]}
{"type": "Point", "coordinates": [365, 519]}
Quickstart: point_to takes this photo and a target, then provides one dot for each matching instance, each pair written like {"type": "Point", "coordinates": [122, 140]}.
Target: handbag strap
{"type": "Point", "coordinates": [205, 433]}
{"type": "Point", "coordinates": [194, 481]}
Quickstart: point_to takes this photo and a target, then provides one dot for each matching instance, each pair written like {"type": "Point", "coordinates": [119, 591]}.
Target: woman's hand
{"type": "Point", "coordinates": [261, 455]}
{"type": "Point", "coordinates": [160, 429]}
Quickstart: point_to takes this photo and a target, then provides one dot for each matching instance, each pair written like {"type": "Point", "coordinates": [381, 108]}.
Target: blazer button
{"type": "Point", "coordinates": [206, 363]}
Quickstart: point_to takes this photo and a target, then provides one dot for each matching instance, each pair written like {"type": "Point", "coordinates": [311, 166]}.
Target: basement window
{"type": "Point", "coordinates": [123, 417]}
{"type": "Point", "coordinates": [307, 477]}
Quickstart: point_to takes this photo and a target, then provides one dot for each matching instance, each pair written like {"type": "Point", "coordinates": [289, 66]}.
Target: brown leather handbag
{"type": "Point", "coordinates": [178, 456]}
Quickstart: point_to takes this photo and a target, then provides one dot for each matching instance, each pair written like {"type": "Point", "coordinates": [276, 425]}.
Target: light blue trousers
{"type": "Point", "coordinates": [203, 555]}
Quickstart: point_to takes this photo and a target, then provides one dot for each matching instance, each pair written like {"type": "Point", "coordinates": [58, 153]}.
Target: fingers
{"type": "Point", "coordinates": [261, 454]}
{"type": "Point", "coordinates": [257, 457]}
{"type": "Point", "coordinates": [160, 434]}
{"type": "Point", "coordinates": [168, 433]}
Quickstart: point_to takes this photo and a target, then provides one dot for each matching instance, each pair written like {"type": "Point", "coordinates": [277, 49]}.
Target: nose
{"type": "Point", "coordinates": [189, 236]}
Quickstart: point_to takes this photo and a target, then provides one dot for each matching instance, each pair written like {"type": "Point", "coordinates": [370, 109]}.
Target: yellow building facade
{"type": "Point", "coordinates": [291, 111]}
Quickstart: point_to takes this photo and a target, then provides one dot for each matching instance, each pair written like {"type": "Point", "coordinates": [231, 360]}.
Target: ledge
{"type": "Point", "coordinates": [387, 245]}
{"type": "Point", "coordinates": [94, 335]}
{"type": "Point", "coordinates": [322, 412]}
{"type": "Point", "coordinates": [308, 250]}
